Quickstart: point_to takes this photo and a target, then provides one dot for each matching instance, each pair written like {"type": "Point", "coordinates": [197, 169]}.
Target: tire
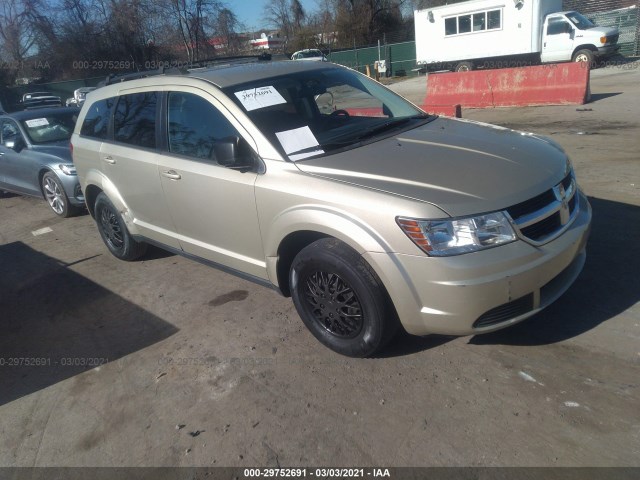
{"type": "Point", "coordinates": [330, 280]}
{"type": "Point", "coordinates": [584, 56]}
{"type": "Point", "coordinates": [114, 231]}
{"type": "Point", "coordinates": [55, 195]}
{"type": "Point", "coordinates": [465, 67]}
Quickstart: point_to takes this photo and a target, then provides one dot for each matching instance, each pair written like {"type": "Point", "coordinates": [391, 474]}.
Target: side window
{"type": "Point", "coordinates": [464, 24]}
{"type": "Point", "coordinates": [134, 120]}
{"type": "Point", "coordinates": [494, 19]}
{"type": "Point", "coordinates": [451, 26]}
{"type": "Point", "coordinates": [9, 131]}
{"type": "Point", "coordinates": [557, 26]}
{"type": "Point", "coordinates": [479, 21]}
{"type": "Point", "coordinates": [194, 125]}
{"type": "Point", "coordinates": [96, 121]}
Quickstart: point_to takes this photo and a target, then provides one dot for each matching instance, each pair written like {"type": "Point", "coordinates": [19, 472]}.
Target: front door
{"type": "Point", "coordinates": [212, 206]}
{"type": "Point", "coordinates": [557, 41]}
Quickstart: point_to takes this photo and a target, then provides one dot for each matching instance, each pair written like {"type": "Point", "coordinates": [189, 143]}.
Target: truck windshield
{"type": "Point", "coordinates": [316, 112]}
{"type": "Point", "coordinates": [580, 21]}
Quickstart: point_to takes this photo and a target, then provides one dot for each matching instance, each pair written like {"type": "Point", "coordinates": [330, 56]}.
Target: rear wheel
{"type": "Point", "coordinates": [464, 67]}
{"type": "Point", "coordinates": [341, 300]}
{"type": "Point", "coordinates": [114, 232]}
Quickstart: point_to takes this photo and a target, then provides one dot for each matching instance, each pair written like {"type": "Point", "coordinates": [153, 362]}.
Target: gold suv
{"type": "Point", "coordinates": [320, 182]}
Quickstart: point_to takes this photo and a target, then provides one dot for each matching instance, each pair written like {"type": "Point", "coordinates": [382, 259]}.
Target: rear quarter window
{"type": "Point", "coordinates": [96, 121]}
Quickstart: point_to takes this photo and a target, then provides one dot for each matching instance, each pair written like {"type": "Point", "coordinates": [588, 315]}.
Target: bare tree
{"type": "Point", "coordinates": [190, 17]}
{"type": "Point", "coordinates": [16, 35]}
{"type": "Point", "coordinates": [226, 25]}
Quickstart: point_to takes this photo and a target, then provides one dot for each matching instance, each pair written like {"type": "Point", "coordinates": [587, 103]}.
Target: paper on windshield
{"type": "Point", "coordinates": [299, 139]}
{"type": "Point", "coordinates": [36, 122]}
{"type": "Point", "coordinates": [262, 97]}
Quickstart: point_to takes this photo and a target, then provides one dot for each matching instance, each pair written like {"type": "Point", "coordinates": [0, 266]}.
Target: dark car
{"type": "Point", "coordinates": [35, 157]}
{"type": "Point", "coordinates": [34, 100]}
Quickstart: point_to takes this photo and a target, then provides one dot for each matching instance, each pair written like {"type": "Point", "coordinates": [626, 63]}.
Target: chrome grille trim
{"type": "Point", "coordinates": [557, 215]}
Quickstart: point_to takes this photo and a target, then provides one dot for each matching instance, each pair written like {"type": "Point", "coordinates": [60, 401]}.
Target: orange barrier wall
{"type": "Point", "coordinates": [554, 84]}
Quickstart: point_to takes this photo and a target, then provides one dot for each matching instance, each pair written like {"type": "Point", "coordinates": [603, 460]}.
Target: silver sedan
{"type": "Point", "coordinates": [35, 157]}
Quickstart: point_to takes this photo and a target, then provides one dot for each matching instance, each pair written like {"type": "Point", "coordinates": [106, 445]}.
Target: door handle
{"type": "Point", "coordinates": [109, 159]}
{"type": "Point", "coordinates": [172, 174]}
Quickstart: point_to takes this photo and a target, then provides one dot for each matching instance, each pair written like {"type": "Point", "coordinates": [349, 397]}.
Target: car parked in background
{"type": "Point", "coordinates": [312, 54]}
{"type": "Point", "coordinates": [35, 157]}
{"type": "Point", "coordinates": [319, 181]}
{"type": "Point", "coordinates": [79, 96]}
{"type": "Point", "coordinates": [34, 100]}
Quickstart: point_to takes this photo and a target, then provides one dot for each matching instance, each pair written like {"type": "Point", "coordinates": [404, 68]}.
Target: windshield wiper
{"type": "Point", "coordinates": [391, 124]}
{"type": "Point", "coordinates": [324, 147]}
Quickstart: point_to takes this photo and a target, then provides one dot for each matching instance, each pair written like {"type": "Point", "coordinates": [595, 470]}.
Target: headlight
{"type": "Point", "coordinates": [442, 238]}
{"type": "Point", "coordinates": [68, 168]}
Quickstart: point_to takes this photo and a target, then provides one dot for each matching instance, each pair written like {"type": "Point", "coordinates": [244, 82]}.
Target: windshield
{"type": "Point", "coordinates": [310, 114]}
{"type": "Point", "coordinates": [580, 21]}
{"type": "Point", "coordinates": [49, 128]}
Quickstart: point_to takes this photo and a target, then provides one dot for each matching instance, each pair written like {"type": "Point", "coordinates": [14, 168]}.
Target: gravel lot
{"type": "Point", "coordinates": [166, 362]}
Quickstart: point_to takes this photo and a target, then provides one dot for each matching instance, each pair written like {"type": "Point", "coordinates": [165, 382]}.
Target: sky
{"type": "Point", "coordinates": [251, 12]}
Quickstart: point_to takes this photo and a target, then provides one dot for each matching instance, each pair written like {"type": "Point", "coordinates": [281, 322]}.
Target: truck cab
{"type": "Point", "coordinates": [570, 36]}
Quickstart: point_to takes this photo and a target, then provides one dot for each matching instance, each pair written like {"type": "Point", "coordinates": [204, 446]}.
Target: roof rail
{"type": "Point", "coordinates": [113, 78]}
{"type": "Point", "coordinates": [199, 64]}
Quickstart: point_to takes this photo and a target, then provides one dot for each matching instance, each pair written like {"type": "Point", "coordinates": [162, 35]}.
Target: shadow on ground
{"type": "Point", "coordinates": [55, 323]}
{"type": "Point", "coordinates": [607, 286]}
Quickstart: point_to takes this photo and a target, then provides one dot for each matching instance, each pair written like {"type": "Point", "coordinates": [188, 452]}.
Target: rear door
{"type": "Point", "coordinates": [130, 161]}
{"type": "Point", "coordinates": [212, 206]}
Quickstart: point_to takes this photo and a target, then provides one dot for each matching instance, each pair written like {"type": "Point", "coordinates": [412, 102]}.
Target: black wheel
{"type": "Point", "coordinates": [114, 232]}
{"type": "Point", "coordinates": [465, 67]}
{"type": "Point", "coordinates": [584, 56]}
{"type": "Point", "coordinates": [55, 195]}
{"type": "Point", "coordinates": [341, 300]}
{"type": "Point", "coordinates": [336, 113]}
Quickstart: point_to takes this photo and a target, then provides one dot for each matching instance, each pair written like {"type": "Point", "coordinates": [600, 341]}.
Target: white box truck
{"type": "Point", "coordinates": [499, 33]}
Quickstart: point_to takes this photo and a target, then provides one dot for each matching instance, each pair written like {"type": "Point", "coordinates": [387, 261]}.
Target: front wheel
{"type": "Point", "coordinates": [341, 300]}
{"type": "Point", "coordinates": [584, 56]}
{"type": "Point", "coordinates": [56, 196]}
{"type": "Point", "coordinates": [114, 232]}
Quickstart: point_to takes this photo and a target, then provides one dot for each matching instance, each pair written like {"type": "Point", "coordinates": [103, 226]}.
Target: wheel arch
{"type": "Point", "coordinates": [301, 227]}
{"type": "Point", "coordinates": [96, 183]}
{"type": "Point", "coordinates": [41, 173]}
{"type": "Point", "coordinates": [587, 46]}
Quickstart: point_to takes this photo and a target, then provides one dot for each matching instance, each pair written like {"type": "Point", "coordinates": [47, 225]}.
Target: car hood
{"type": "Point", "coordinates": [598, 31]}
{"type": "Point", "coordinates": [58, 152]}
{"type": "Point", "coordinates": [462, 167]}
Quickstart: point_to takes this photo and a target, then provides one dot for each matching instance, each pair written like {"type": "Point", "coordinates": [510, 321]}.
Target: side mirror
{"type": "Point", "coordinates": [233, 152]}
{"type": "Point", "coordinates": [16, 144]}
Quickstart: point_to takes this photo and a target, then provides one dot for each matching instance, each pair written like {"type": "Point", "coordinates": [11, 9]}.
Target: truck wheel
{"type": "Point", "coordinates": [583, 56]}
{"type": "Point", "coordinates": [341, 300]}
{"type": "Point", "coordinates": [114, 232]}
{"type": "Point", "coordinates": [465, 67]}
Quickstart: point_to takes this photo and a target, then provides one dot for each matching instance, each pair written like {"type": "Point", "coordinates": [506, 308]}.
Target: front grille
{"type": "Point", "coordinates": [545, 216]}
{"type": "Point", "coordinates": [614, 38]}
{"type": "Point", "coordinates": [505, 312]}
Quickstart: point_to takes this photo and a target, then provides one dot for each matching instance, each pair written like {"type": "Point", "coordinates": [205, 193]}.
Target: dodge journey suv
{"type": "Point", "coordinates": [320, 182]}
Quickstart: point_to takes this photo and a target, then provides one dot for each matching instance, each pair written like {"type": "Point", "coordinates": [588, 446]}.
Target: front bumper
{"type": "Point", "coordinates": [607, 51]}
{"type": "Point", "coordinates": [487, 290]}
{"type": "Point", "coordinates": [72, 188]}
